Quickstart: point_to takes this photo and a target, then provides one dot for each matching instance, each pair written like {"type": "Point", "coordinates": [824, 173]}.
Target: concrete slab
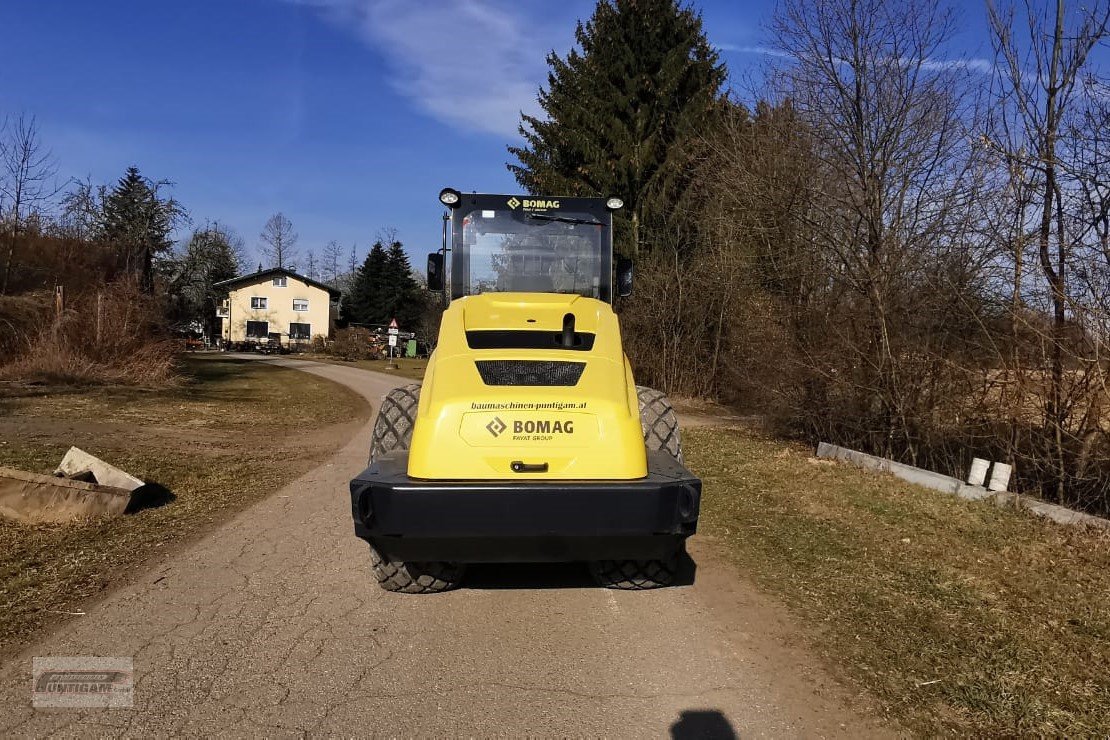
{"type": "Point", "coordinates": [34, 498]}
{"type": "Point", "coordinates": [78, 464]}
{"type": "Point", "coordinates": [947, 484]}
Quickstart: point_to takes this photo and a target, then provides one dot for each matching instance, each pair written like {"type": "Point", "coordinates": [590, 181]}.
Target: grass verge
{"type": "Point", "coordinates": [230, 434]}
{"type": "Point", "coordinates": [960, 618]}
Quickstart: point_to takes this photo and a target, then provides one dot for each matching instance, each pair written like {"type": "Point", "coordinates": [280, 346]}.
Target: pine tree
{"type": "Point", "coordinates": [622, 110]}
{"type": "Point", "coordinates": [365, 303]}
{"type": "Point", "coordinates": [403, 296]}
{"type": "Point", "coordinates": [138, 222]}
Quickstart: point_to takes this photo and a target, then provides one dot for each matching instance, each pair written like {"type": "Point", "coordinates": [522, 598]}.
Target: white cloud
{"type": "Point", "coordinates": [983, 66]}
{"type": "Point", "coordinates": [761, 50]}
{"type": "Point", "coordinates": [973, 64]}
{"type": "Point", "coordinates": [470, 63]}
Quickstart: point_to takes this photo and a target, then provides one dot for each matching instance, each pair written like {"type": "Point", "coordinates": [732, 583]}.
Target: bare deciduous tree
{"type": "Point", "coordinates": [1040, 73]}
{"type": "Point", "coordinates": [81, 210]}
{"type": "Point", "coordinates": [27, 185]}
{"type": "Point", "coordinates": [279, 241]}
{"type": "Point", "coordinates": [889, 126]}
{"type": "Point", "coordinates": [329, 263]}
{"type": "Point", "coordinates": [310, 269]}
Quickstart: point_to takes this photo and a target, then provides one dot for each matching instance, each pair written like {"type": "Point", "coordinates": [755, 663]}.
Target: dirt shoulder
{"type": "Point", "coordinates": [961, 618]}
{"type": "Point", "coordinates": [233, 432]}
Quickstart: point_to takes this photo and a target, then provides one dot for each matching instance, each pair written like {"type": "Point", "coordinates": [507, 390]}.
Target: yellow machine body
{"type": "Point", "coordinates": [468, 429]}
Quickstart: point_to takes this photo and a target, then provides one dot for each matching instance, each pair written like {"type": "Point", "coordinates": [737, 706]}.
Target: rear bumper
{"type": "Point", "coordinates": [497, 521]}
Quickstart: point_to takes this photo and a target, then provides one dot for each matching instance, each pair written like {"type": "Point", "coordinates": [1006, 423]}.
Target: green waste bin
{"type": "Point", "coordinates": [410, 348]}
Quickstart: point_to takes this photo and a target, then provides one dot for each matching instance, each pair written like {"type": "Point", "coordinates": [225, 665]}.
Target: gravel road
{"type": "Point", "coordinates": [272, 625]}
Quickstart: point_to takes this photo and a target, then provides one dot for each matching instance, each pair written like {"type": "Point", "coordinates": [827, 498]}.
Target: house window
{"type": "Point", "coordinates": [300, 331]}
{"type": "Point", "coordinates": [300, 304]}
{"type": "Point", "coordinates": [258, 329]}
{"type": "Point", "coordinates": [258, 302]}
{"type": "Point", "coordinates": [279, 282]}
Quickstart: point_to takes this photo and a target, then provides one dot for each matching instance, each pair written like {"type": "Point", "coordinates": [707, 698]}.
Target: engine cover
{"type": "Point", "coordinates": [528, 386]}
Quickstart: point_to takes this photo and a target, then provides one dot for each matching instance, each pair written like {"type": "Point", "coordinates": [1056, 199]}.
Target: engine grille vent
{"type": "Point", "coordinates": [529, 372]}
{"type": "Point", "coordinates": [527, 339]}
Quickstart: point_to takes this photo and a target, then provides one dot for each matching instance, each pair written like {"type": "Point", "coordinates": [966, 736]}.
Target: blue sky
{"type": "Point", "coordinates": [346, 115]}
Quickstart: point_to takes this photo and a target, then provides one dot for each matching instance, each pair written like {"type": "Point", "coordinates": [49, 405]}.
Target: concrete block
{"type": "Point", "coordinates": [79, 464]}
{"type": "Point", "coordinates": [947, 484]}
{"type": "Point", "coordinates": [34, 498]}
{"type": "Point", "coordinates": [978, 473]}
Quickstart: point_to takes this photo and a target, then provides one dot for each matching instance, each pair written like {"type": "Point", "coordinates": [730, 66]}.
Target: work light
{"type": "Point", "coordinates": [450, 197]}
{"type": "Point", "coordinates": [614, 204]}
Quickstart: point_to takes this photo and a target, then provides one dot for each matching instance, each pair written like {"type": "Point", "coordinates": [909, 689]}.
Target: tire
{"type": "Point", "coordinates": [393, 431]}
{"type": "Point", "coordinates": [635, 575]}
{"type": "Point", "coordinates": [660, 427]}
{"type": "Point", "coordinates": [415, 578]}
{"type": "Point", "coordinates": [658, 422]}
{"type": "Point", "coordinates": [396, 417]}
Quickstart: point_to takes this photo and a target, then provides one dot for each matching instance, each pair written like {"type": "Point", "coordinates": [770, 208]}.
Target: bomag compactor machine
{"type": "Point", "coordinates": [528, 439]}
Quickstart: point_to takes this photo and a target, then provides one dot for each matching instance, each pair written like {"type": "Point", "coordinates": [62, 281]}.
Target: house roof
{"type": "Point", "coordinates": [262, 275]}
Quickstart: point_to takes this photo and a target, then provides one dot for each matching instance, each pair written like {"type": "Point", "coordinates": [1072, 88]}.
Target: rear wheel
{"type": "Point", "coordinates": [660, 427]}
{"type": "Point", "coordinates": [635, 575]}
{"type": "Point", "coordinates": [658, 422]}
{"type": "Point", "coordinates": [393, 431]}
{"type": "Point", "coordinates": [417, 577]}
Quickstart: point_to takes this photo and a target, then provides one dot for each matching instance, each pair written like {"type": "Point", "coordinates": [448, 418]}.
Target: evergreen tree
{"type": "Point", "coordinates": [384, 289]}
{"type": "Point", "coordinates": [622, 111]}
{"type": "Point", "coordinates": [213, 253]}
{"type": "Point", "coordinates": [403, 296]}
{"type": "Point", "coordinates": [139, 222]}
{"type": "Point", "coordinates": [365, 303]}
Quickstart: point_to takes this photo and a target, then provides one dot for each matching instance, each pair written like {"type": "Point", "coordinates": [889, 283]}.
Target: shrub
{"type": "Point", "coordinates": [114, 338]}
{"type": "Point", "coordinates": [351, 344]}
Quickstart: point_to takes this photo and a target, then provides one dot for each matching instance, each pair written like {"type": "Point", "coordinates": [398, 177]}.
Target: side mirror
{"type": "Point", "coordinates": [624, 277]}
{"type": "Point", "coordinates": [435, 271]}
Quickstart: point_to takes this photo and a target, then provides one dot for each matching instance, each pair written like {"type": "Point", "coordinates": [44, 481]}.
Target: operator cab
{"type": "Point", "coordinates": [528, 244]}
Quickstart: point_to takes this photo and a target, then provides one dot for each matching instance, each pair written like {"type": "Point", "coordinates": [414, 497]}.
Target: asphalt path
{"type": "Point", "coordinates": [272, 625]}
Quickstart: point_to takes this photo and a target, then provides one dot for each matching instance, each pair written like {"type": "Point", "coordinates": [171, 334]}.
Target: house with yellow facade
{"type": "Point", "coordinates": [277, 304]}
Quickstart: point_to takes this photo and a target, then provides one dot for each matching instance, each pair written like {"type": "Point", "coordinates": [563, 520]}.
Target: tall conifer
{"type": "Point", "coordinates": [622, 110]}
{"type": "Point", "coordinates": [366, 302]}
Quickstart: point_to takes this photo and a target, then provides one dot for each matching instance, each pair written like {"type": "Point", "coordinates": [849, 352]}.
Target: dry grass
{"type": "Point", "coordinates": [111, 337]}
{"type": "Point", "coordinates": [961, 618]}
{"type": "Point", "coordinates": [220, 441]}
{"type": "Point", "coordinates": [53, 359]}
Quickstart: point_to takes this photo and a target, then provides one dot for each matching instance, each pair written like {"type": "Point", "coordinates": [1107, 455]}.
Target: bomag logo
{"type": "Point", "coordinates": [532, 204]}
{"type": "Point", "coordinates": [543, 427]}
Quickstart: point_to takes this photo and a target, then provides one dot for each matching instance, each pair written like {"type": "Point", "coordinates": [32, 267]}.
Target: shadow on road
{"type": "Point", "coordinates": [551, 575]}
{"type": "Point", "coordinates": [703, 724]}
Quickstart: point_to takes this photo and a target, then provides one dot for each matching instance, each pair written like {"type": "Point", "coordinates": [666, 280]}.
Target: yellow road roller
{"type": "Point", "coordinates": [528, 439]}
